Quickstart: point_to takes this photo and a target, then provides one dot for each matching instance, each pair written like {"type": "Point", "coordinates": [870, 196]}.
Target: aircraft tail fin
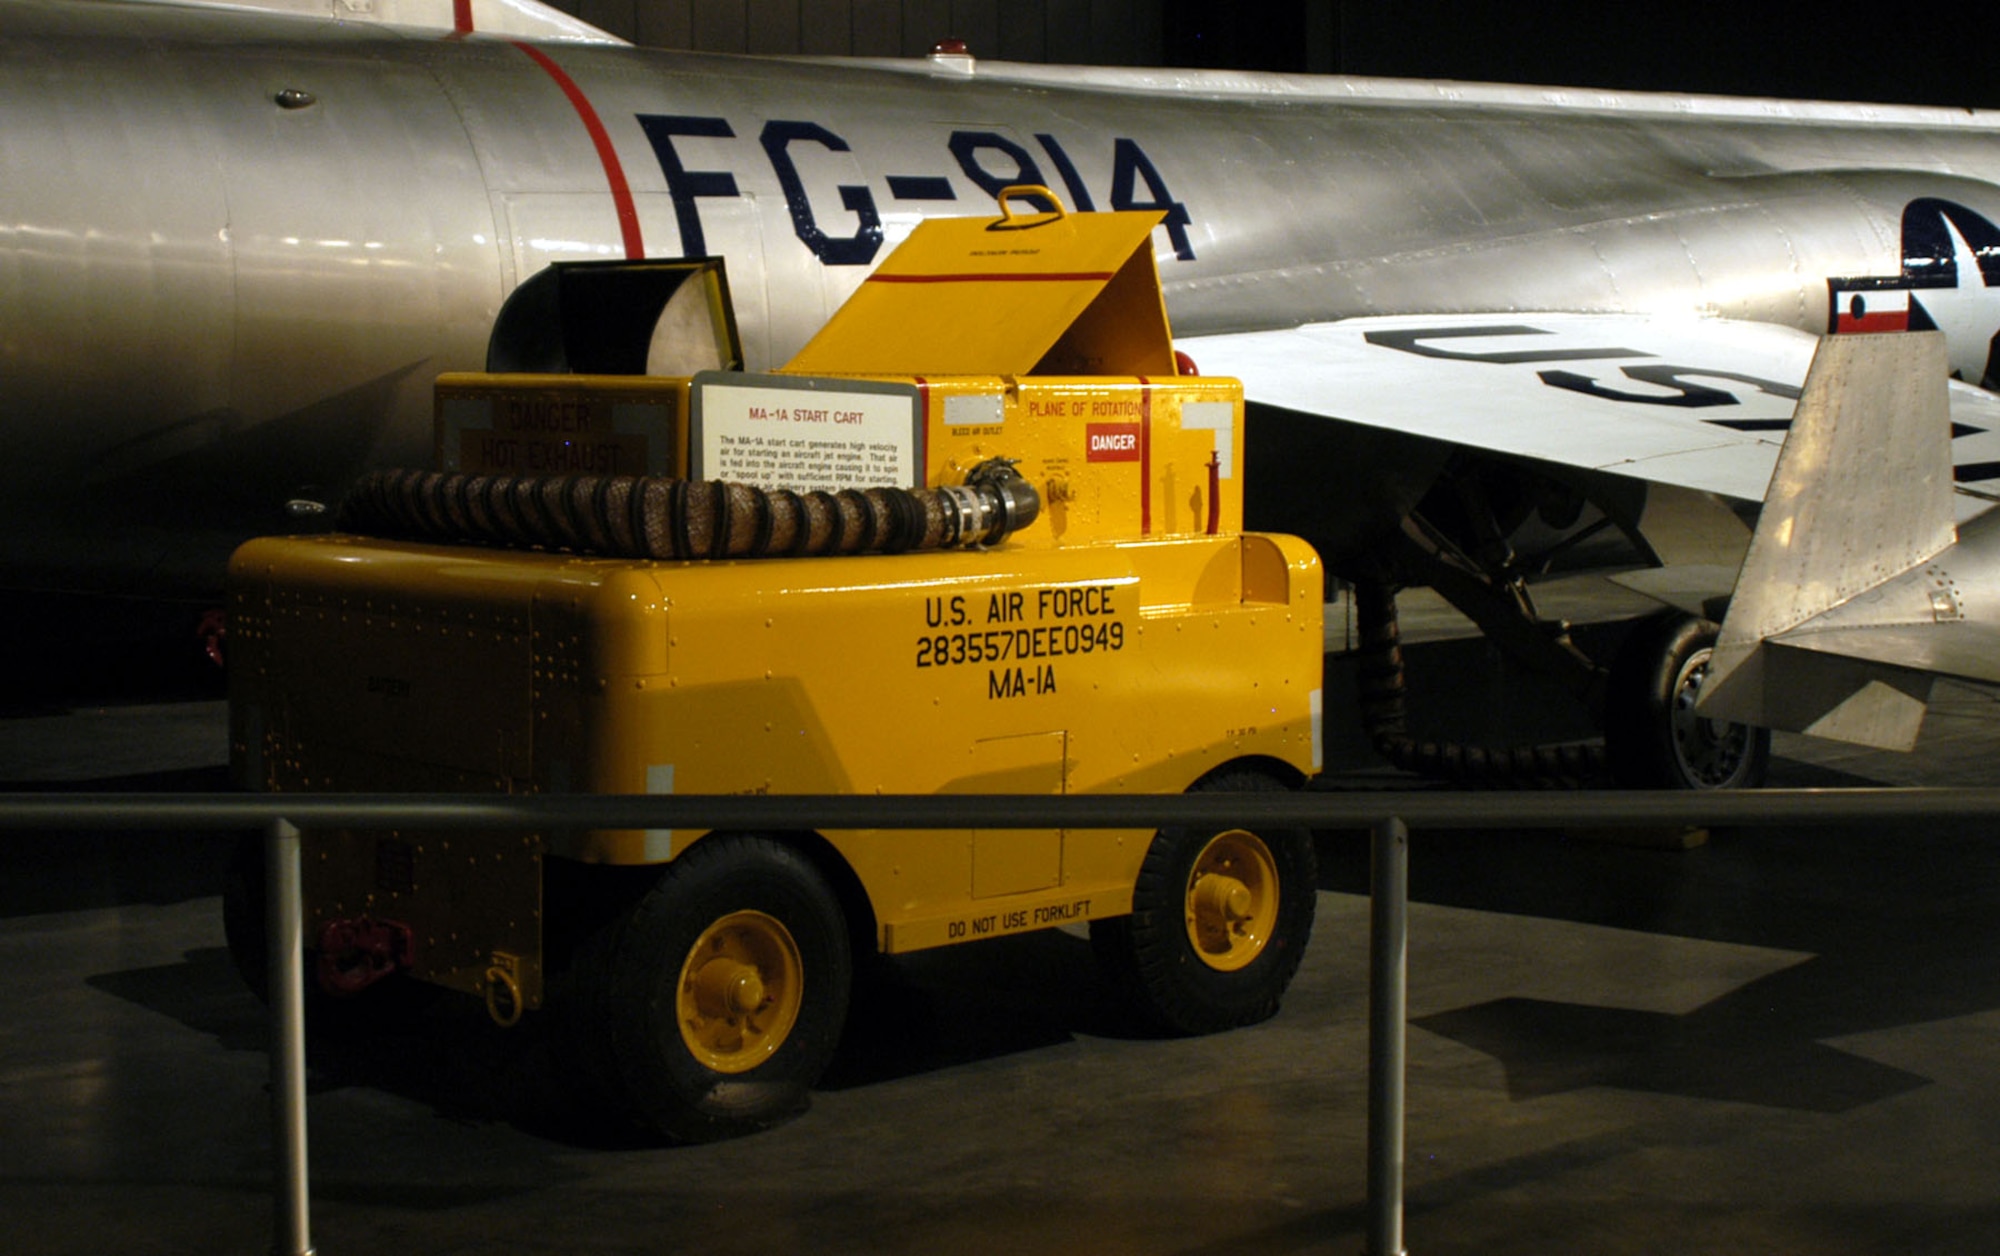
{"type": "Point", "coordinates": [1826, 630]}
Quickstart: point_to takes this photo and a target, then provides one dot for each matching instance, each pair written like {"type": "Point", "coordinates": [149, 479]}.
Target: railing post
{"type": "Point", "coordinates": [1388, 969]}
{"type": "Point", "coordinates": [285, 949]}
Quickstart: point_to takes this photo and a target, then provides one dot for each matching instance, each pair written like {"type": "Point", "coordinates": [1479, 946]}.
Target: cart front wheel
{"type": "Point", "coordinates": [1220, 918]}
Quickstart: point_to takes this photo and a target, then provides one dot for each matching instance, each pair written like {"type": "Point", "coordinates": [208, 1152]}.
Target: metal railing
{"type": "Point", "coordinates": [1389, 816]}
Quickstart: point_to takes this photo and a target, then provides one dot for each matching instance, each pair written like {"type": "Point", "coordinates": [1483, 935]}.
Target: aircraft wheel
{"type": "Point", "coordinates": [724, 990]}
{"type": "Point", "coordinates": [1653, 738]}
{"type": "Point", "coordinates": [1220, 919]}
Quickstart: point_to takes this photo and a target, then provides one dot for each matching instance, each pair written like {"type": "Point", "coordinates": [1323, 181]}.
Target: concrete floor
{"type": "Point", "coordinates": [1782, 1041]}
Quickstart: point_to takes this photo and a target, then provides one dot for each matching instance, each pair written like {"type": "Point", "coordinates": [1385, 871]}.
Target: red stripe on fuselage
{"type": "Point", "coordinates": [1892, 320]}
{"type": "Point", "coordinates": [461, 17]}
{"type": "Point", "coordinates": [614, 173]}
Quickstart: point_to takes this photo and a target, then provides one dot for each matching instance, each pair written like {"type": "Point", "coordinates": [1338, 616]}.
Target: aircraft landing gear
{"type": "Point", "coordinates": [1468, 540]}
{"type": "Point", "coordinates": [1653, 737]}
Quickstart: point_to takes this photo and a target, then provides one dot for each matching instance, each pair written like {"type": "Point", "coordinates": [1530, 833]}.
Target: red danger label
{"type": "Point", "coordinates": [1113, 442]}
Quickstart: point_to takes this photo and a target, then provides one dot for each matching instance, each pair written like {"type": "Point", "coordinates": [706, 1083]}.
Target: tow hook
{"type": "Point", "coordinates": [355, 954]}
{"type": "Point", "coordinates": [504, 1002]}
{"type": "Point", "coordinates": [211, 633]}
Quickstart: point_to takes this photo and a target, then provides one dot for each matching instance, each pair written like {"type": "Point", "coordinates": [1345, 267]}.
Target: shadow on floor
{"type": "Point", "coordinates": [1901, 923]}
{"type": "Point", "coordinates": [910, 1015]}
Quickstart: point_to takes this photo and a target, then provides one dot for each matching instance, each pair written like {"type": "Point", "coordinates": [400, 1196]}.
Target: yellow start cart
{"type": "Point", "coordinates": [713, 606]}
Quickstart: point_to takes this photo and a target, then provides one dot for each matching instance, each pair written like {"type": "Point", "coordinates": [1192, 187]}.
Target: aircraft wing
{"type": "Point", "coordinates": [1702, 403]}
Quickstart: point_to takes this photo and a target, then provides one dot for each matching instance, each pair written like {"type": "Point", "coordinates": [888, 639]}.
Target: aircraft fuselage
{"type": "Point", "coordinates": [236, 249]}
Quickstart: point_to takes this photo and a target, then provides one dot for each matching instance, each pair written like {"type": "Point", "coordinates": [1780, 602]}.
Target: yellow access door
{"type": "Point", "coordinates": [1023, 294]}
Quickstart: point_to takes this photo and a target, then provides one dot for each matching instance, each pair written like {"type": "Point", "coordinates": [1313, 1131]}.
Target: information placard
{"type": "Point", "coordinates": [805, 433]}
{"type": "Point", "coordinates": [490, 425]}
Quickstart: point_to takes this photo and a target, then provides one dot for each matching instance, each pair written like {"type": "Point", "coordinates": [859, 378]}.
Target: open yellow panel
{"type": "Point", "coordinates": [1041, 294]}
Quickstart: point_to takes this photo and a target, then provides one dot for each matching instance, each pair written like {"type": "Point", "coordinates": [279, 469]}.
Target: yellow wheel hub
{"type": "Point", "coordinates": [740, 991]}
{"type": "Point", "coordinates": [1232, 900]}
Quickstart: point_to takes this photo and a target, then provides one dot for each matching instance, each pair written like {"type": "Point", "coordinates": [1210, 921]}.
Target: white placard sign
{"type": "Point", "coordinates": [804, 434]}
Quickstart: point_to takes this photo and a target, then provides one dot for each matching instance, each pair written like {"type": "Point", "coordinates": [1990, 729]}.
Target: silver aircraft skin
{"type": "Point", "coordinates": [237, 246]}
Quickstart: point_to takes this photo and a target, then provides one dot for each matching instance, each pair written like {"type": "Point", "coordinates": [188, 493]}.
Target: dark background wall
{"type": "Point", "coordinates": [1088, 32]}
{"type": "Point", "coordinates": [1940, 53]}
{"type": "Point", "coordinates": [1911, 52]}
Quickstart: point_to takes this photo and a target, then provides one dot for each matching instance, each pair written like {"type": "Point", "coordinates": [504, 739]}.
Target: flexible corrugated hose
{"type": "Point", "coordinates": [626, 516]}
{"type": "Point", "coordinates": [1383, 707]}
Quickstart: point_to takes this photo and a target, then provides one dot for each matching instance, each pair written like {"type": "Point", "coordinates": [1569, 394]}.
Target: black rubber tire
{"type": "Point", "coordinates": [244, 916]}
{"type": "Point", "coordinates": [1150, 957]}
{"type": "Point", "coordinates": [634, 994]}
{"type": "Point", "coordinates": [1652, 738]}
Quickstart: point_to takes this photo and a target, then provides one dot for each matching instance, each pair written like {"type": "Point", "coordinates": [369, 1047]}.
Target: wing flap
{"type": "Point", "coordinates": [1968, 651]}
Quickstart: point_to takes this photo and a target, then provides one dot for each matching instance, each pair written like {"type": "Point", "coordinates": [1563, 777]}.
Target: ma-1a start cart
{"type": "Point", "coordinates": [979, 536]}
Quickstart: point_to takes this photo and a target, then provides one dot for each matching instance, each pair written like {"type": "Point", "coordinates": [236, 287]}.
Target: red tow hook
{"type": "Point", "coordinates": [355, 954]}
{"type": "Point", "coordinates": [210, 634]}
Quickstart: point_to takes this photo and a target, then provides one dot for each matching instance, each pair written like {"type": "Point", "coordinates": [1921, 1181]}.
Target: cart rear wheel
{"type": "Point", "coordinates": [725, 990]}
{"type": "Point", "coordinates": [245, 915]}
{"type": "Point", "coordinates": [740, 991]}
